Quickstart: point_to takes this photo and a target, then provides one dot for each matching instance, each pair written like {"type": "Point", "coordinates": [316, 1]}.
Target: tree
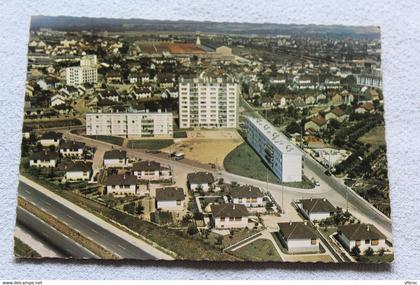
{"type": "Point", "coordinates": [355, 251]}
{"type": "Point", "coordinates": [219, 240]}
{"type": "Point", "coordinates": [269, 206]}
{"type": "Point", "coordinates": [192, 229]}
{"type": "Point", "coordinates": [198, 216]}
{"type": "Point", "coordinates": [334, 124]}
{"type": "Point", "coordinates": [369, 251]}
{"type": "Point", "coordinates": [109, 200]}
{"type": "Point", "coordinates": [293, 127]}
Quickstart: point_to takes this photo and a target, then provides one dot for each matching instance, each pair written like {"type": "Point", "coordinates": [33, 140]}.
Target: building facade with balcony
{"type": "Point", "coordinates": [208, 102]}
{"type": "Point", "coordinates": [275, 149]}
{"type": "Point", "coordinates": [145, 124]}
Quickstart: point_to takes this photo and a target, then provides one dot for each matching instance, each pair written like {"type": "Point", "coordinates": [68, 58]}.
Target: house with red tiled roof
{"type": "Point", "coordinates": [365, 108]}
{"type": "Point", "coordinates": [337, 114]}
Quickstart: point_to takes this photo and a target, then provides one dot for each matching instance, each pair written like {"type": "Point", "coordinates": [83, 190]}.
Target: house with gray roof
{"type": "Point", "coordinates": [115, 158]}
{"type": "Point", "coordinates": [298, 237]}
{"type": "Point", "coordinates": [200, 180]}
{"type": "Point", "coordinates": [78, 171]}
{"type": "Point", "coordinates": [72, 149]}
{"type": "Point", "coordinates": [151, 170]}
{"type": "Point", "coordinates": [170, 198]}
{"type": "Point", "coordinates": [362, 236]}
{"type": "Point", "coordinates": [121, 184]}
{"type": "Point", "coordinates": [247, 195]}
{"type": "Point", "coordinates": [229, 216]}
{"type": "Point", "coordinates": [44, 159]}
{"type": "Point", "coordinates": [316, 209]}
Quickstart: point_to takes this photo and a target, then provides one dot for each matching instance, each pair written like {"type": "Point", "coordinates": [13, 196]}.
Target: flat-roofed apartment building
{"type": "Point", "coordinates": [208, 102]}
{"type": "Point", "coordinates": [275, 149]}
{"type": "Point", "coordinates": [145, 124]}
{"type": "Point", "coordinates": [77, 75]}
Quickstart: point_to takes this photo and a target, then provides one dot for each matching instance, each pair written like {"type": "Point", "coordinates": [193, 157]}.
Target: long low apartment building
{"type": "Point", "coordinates": [145, 124]}
{"type": "Point", "coordinates": [208, 102]}
{"type": "Point", "coordinates": [275, 149]}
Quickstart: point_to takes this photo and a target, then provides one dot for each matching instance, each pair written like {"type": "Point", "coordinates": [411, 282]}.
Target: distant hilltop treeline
{"type": "Point", "coordinates": [67, 23]}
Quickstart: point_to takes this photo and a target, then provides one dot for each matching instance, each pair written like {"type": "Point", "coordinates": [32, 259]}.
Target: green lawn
{"type": "Point", "coordinates": [108, 139]}
{"type": "Point", "coordinates": [376, 258]}
{"type": "Point", "coordinates": [22, 250]}
{"type": "Point", "coordinates": [260, 250]}
{"type": "Point", "coordinates": [150, 144]}
{"type": "Point", "coordinates": [244, 161]}
{"type": "Point", "coordinates": [375, 137]}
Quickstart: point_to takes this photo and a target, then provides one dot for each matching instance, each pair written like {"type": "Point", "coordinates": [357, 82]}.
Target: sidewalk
{"type": "Point", "coordinates": [126, 236]}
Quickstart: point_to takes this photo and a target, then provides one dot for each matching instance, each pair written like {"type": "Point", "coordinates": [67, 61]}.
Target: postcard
{"type": "Point", "coordinates": [182, 140]}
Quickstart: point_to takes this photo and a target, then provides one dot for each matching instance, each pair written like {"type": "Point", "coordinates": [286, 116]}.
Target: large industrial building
{"type": "Point", "coordinates": [275, 149]}
{"type": "Point", "coordinates": [145, 124]}
{"type": "Point", "coordinates": [208, 102]}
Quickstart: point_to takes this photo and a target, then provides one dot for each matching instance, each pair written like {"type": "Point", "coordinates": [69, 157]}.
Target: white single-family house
{"type": "Point", "coordinates": [72, 149]}
{"type": "Point", "coordinates": [200, 180]}
{"type": "Point", "coordinates": [151, 170]}
{"type": "Point", "coordinates": [51, 139]}
{"type": "Point", "coordinates": [121, 184]}
{"type": "Point", "coordinates": [229, 216]}
{"type": "Point", "coordinates": [362, 236]}
{"type": "Point", "coordinates": [43, 159]}
{"type": "Point", "coordinates": [247, 195]}
{"type": "Point", "coordinates": [298, 237]}
{"type": "Point", "coordinates": [115, 158]}
{"type": "Point", "coordinates": [316, 209]}
{"type": "Point", "coordinates": [78, 171]}
{"type": "Point", "coordinates": [170, 199]}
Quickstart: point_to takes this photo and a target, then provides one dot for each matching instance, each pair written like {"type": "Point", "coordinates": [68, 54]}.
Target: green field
{"type": "Point", "coordinates": [261, 249]}
{"type": "Point", "coordinates": [150, 144]}
{"type": "Point", "coordinates": [375, 137]}
{"type": "Point", "coordinates": [108, 139]}
{"type": "Point", "coordinates": [244, 161]}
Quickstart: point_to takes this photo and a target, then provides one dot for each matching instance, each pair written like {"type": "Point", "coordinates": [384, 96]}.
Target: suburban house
{"type": "Point", "coordinates": [115, 158]}
{"type": "Point", "coordinates": [247, 195]}
{"type": "Point", "coordinates": [365, 108]}
{"type": "Point", "coordinates": [298, 237]}
{"type": "Point", "coordinates": [141, 93]}
{"type": "Point", "coordinates": [336, 114]}
{"type": "Point", "coordinates": [362, 236]}
{"type": "Point", "coordinates": [316, 209]}
{"type": "Point", "coordinates": [43, 159]}
{"type": "Point", "coordinates": [316, 123]}
{"type": "Point", "coordinates": [151, 170]}
{"type": "Point", "coordinates": [170, 198]}
{"type": "Point", "coordinates": [57, 100]}
{"type": "Point", "coordinates": [72, 149]}
{"type": "Point", "coordinates": [121, 184]}
{"type": "Point", "coordinates": [228, 216]}
{"type": "Point", "coordinates": [51, 139]}
{"type": "Point", "coordinates": [79, 171]}
{"type": "Point", "coordinates": [200, 180]}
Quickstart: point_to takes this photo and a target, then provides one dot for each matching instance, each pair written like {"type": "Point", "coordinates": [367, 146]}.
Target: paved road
{"type": "Point", "coordinates": [64, 245]}
{"type": "Point", "coordinates": [330, 187]}
{"type": "Point", "coordinates": [102, 236]}
{"type": "Point", "coordinates": [354, 200]}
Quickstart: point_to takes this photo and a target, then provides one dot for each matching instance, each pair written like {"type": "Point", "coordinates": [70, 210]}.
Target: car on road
{"type": "Point", "coordinates": [317, 183]}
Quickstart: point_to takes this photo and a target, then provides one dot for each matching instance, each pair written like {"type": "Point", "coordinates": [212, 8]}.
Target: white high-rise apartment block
{"type": "Point", "coordinates": [145, 124]}
{"type": "Point", "coordinates": [283, 157]}
{"type": "Point", "coordinates": [208, 102]}
{"type": "Point", "coordinates": [89, 60]}
{"type": "Point", "coordinates": [76, 75]}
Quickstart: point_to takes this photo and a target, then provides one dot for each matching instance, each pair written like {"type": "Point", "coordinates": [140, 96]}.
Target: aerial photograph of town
{"type": "Point", "coordinates": [182, 140]}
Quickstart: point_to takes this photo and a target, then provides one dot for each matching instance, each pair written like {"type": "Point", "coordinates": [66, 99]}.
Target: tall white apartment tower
{"type": "Point", "coordinates": [208, 102]}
